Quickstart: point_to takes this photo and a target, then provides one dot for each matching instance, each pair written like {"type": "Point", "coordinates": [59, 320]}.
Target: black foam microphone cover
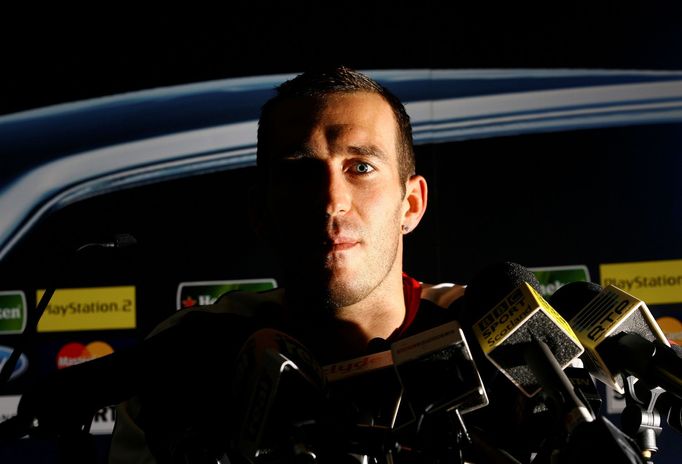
{"type": "Point", "coordinates": [572, 297]}
{"type": "Point", "coordinates": [480, 295]}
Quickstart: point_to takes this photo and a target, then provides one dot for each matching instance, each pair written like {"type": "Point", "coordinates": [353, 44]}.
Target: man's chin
{"type": "Point", "coordinates": [327, 291]}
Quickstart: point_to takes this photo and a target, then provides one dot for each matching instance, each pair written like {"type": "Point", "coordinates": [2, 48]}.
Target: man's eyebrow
{"type": "Point", "coordinates": [298, 152]}
{"type": "Point", "coordinates": [368, 150]}
{"type": "Point", "coordinates": [306, 152]}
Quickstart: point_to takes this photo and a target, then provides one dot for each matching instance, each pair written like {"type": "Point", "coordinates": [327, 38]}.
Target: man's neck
{"type": "Point", "coordinates": [377, 316]}
{"type": "Point", "coordinates": [345, 332]}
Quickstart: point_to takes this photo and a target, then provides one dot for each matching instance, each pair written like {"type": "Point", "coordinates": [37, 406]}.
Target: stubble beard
{"type": "Point", "coordinates": [344, 292]}
{"type": "Point", "coordinates": [338, 284]}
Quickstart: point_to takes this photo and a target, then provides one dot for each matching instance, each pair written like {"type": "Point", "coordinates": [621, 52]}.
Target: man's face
{"type": "Point", "coordinates": [335, 203]}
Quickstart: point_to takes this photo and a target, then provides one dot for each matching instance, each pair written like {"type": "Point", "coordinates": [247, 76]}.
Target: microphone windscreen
{"type": "Point", "coordinates": [506, 313]}
{"type": "Point", "coordinates": [572, 297]}
{"type": "Point", "coordinates": [617, 330]}
{"type": "Point", "coordinates": [492, 285]}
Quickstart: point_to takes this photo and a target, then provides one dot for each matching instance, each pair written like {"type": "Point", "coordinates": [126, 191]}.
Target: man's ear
{"type": "Point", "coordinates": [414, 203]}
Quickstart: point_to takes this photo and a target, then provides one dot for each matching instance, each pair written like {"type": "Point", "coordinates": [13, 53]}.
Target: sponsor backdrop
{"type": "Point", "coordinates": [206, 293]}
{"type": "Point", "coordinates": [89, 309]}
{"type": "Point", "coordinates": [107, 307]}
{"type": "Point", "coordinates": [12, 312]}
{"type": "Point", "coordinates": [656, 282]}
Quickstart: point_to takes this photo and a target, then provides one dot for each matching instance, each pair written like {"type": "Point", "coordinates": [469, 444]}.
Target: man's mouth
{"type": "Point", "coordinates": [343, 246]}
{"type": "Point", "coordinates": [341, 243]}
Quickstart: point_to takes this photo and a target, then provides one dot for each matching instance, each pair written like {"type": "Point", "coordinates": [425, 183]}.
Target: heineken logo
{"type": "Point", "coordinates": [207, 292]}
{"type": "Point", "coordinates": [12, 312]}
{"type": "Point", "coordinates": [552, 278]}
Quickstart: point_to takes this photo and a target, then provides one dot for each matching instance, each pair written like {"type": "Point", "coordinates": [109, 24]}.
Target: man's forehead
{"type": "Point", "coordinates": [312, 107]}
{"type": "Point", "coordinates": [299, 107]}
{"type": "Point", "coordinates": [339, 125]}
{"type": "Point", "coordinates": [340, 114]}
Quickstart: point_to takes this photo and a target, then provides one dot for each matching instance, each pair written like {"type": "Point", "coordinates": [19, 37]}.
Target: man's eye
{"type": "Point", "coordinates": [363, 168]}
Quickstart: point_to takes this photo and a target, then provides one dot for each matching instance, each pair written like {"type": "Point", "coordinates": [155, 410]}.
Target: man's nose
{"type": "Point", "coordinates": [338, 193]}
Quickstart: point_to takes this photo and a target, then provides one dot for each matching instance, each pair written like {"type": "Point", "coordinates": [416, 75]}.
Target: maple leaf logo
{"type": "Point", "coordinates": [189, 301]}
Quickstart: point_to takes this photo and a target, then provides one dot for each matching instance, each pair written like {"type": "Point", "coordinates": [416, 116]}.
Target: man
{"type": "Point", "coordinates": [337, 192]}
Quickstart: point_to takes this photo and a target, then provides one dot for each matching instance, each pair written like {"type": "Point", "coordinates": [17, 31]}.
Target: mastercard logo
{"type": "Point", "coordinates": [76, 353]}
{"type": "Point", "coordinates": [672, 328]}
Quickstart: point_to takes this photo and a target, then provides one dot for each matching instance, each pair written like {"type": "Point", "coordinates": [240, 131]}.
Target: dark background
{"type": "Point", "coordinates": [64, 55]}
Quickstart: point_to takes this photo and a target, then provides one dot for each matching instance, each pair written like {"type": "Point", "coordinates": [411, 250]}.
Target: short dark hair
{"type": "Point", "coordinates": [320, 83]}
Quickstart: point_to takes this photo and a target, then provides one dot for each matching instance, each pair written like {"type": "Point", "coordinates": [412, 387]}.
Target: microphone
{"type": "Point", "coordinates": [441, 382]}
{"type": "Point", "coordinates": [119, 241]}
{"type": "Point", "coordinates": [530, 343]}
{"type": "Point", "coordinates": [366, 399]}
{"type": "Point", "coordinates": [585, 386]}
{"type": "Point", "coordinates": [524, 311]}
{"type": "Point", "coordinates": [354, 383]}
{"type": "Point", "coordinates": [272, 371]}
{"type": "Point", "coordinates": [438, 372]}
{"type": "Point", "coordinates": [620, 336]}
{"type": "Point", "coordinates": [292, 410]}
{"type": "Point", "coordinates": [508, 315]}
